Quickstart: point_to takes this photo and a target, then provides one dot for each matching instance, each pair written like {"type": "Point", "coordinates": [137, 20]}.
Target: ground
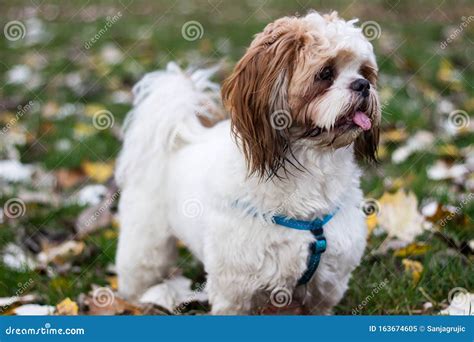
{"type": "Point", "coordinates": [67, 72]}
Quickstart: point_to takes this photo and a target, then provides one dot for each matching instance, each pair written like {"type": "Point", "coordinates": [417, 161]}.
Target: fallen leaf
{"type": "Point", "coordinates": [91, 194]}
{"type": "Point", "coordinates": [7, 301]}
{"type": "Point", "coordinates": [442, 170]}
{"type": "Point", "coordinates": [82, 130]}
{"type": "Point", "coordinates": [102, 301]}
{"type": "Point", "coordinates": [413, 267]}
{"type": "Point", "coordinates": [399, 215]}
{"type": "Point", "coordinates": [413, 249]}
{"type": "Point", "coordinates": [67, 308]}
{"type": "Point", "coordinates": [174, 294]}
{"type": "Point", "coordinates": [14, 171]}
{"type": "Point", "coordinates": [113, 282]}
{"type": "Point", "coordinates": [98, 215]}
{"type": "Point", "coordinates": [16, 258]}
{"type": "Point", "coordinates": [449, 150]}
{"type": "Point", "coordinates": [461, 303]}
{"type": "Point", "coordinates": [422, 140]}
{"type": "Point", "coordinates": [68, 178]}
{"type": "Point", "coordinates": [98, 171]}
{"type": "Point", "coordinates": [34, 310]}
{"type": "Point", "coordinates": [93, 108]}
{"type": "Point", "coordinates": [394, 135]}
{"type": "Point", "coordinates": [371, 222]}
{"type": "Point", "coordinates": [62, 253]}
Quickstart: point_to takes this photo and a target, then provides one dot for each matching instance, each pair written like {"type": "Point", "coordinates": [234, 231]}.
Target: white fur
{"type": "Point", "coordinates": [181, 180]}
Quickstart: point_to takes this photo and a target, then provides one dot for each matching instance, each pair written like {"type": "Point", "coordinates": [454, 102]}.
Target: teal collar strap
{"type": "Point", "coordinates": [316, 248]}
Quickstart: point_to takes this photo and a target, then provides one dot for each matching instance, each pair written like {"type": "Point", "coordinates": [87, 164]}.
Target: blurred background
{"type": "Point", "coordinates": [67, 69]}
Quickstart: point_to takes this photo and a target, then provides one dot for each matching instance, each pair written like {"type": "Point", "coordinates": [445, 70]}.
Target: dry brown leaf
{"type": "Point", "coordinates": [105, 303]}
{"type": "Point", "coordinates": [68, 178]}
{"type": "Point", "coordinates": [62, 253]}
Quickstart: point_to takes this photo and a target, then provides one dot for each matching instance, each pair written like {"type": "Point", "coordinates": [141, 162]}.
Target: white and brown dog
{"type": "Point", "coordinates": [302, 104]}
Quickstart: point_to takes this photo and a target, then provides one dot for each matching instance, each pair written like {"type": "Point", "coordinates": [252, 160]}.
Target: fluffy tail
{"type": "Point", "coordinates": [165, 116]}
{"type": "Point", "coordinates": [166, 113]}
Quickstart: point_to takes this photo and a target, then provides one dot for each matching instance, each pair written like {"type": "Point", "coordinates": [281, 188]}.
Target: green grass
{"type": "Point", "coordinates": [149, 35]}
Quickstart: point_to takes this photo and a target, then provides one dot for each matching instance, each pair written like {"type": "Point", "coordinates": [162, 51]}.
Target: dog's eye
{"type": "Point", "coordinates": [326, 74]}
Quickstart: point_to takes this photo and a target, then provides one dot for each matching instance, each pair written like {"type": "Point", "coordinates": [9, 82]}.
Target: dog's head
{"type": "Point", "coordinates": [310, 79]}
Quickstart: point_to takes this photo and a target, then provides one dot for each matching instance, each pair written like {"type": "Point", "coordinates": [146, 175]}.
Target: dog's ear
{"type": "Point", "coordinates": [256, 95]}
{"type": "Point", "coordinates": [365, 146]}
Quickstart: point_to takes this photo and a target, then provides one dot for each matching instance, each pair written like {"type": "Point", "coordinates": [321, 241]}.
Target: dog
{"type": "Point", "coordinates": [302, 111]}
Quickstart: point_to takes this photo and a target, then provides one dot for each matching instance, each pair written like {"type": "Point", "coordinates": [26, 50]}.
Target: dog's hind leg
{"type": "Point", "coordinates": [147, 249]}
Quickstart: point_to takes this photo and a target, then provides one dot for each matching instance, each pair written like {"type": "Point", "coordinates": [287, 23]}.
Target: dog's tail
{"type": "Point", "coordinates": [169, 109]}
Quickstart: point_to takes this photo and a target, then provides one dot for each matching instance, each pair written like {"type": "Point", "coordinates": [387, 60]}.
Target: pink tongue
{"type": "Point", "coordinates": [362, 120]}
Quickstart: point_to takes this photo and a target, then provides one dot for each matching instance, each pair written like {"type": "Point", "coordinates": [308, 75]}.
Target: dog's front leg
{"type": "Point", "coordinates": [229, 294]}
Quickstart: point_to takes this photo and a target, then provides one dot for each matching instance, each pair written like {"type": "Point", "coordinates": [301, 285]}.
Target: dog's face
{"type": "Point", "coordinates": [310, 79]}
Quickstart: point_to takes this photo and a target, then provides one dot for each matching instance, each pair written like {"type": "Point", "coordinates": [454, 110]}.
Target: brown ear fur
{"type": "Point", "coordinates": [258, 88]}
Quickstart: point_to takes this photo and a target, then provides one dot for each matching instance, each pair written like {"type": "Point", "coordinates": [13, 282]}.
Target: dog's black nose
{"type": "Point", "coordinates": [361, 85]}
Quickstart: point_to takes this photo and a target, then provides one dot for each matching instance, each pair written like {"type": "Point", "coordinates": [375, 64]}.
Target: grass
{"type": "Point", "coordinates": [148, 35]}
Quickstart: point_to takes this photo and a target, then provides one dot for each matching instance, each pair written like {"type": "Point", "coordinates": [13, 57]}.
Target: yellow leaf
{"type": "Point", "coordinates": [395, 135]}
{"type": "Point", "coordinates": [371, 221]}
{"type": "Point", "coordinates": [82, 130]}
{"type": "Point", "coordinates": [98, 171]}
{"type": "Point", "coordinates": [449, 150]}
{"type": "Point", "coordinates": [110, 234]}
{"type": "Point", "coordinates": [93, 108]}
{"type": "Point", "coordinates": [445, 71]}
{"type": "Point", "coordinates": [412, 250]}
{"type": "Point", "coordinates": [113, 282]}
{"type": "Point", "coordinates": [67, 308]}
{"type": "Point", "coordinates": [413, 267]}
{"type": "Point", "coordinates": [382, 152]}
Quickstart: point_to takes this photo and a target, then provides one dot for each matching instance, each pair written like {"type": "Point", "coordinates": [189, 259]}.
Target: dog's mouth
{"type": "Point", "coordinates": [354, 120]}
{"type": "Point", "coordinates": [357, 118]}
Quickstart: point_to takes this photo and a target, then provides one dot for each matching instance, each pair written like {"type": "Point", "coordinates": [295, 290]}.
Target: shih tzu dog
{"type": "Point", "coordinates": [269, 199]}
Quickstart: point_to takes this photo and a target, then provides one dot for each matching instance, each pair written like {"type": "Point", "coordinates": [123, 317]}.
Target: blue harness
{"type": "Point", "coordinates": [316, 248]}
{"type": "Point", "coordinates": [315, 226]}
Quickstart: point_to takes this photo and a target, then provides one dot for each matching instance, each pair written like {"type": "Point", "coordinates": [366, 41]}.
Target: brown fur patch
{"type": "Point", "coordinates": [258, 88]}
